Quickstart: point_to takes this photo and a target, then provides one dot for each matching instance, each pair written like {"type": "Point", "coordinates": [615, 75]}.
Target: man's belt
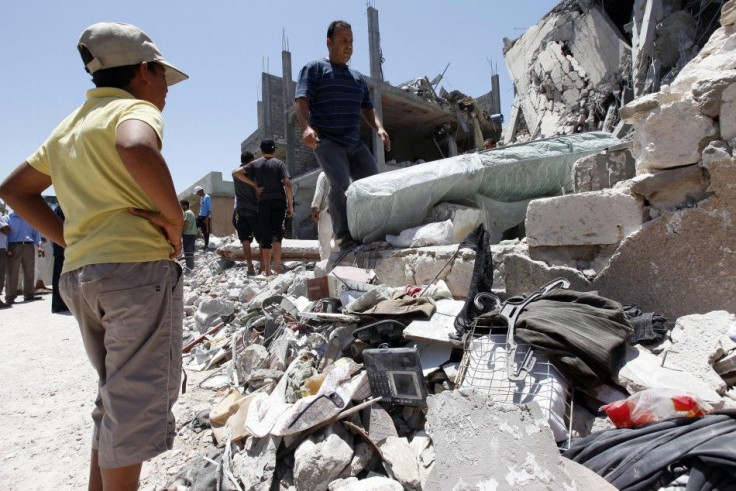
{"type": "Point", "coordinates": [22, 242]}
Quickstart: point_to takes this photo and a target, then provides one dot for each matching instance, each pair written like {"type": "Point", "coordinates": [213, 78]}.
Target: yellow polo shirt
{"type": "Point", "coordinates": [93, 186]}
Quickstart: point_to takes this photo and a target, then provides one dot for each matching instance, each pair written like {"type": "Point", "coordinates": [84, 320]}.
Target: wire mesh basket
{"type": "Point", "coordinates": [484, 367]}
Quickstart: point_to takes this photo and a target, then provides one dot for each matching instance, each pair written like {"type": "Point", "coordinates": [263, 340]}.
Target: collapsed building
{"type": "Point", "coordinates": [471, 345]}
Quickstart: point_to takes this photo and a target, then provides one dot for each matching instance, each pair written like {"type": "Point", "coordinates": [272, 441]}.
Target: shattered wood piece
{"type": "Point", "coordinates": [327, 317]}
{"type": "Point", "coordinates": [212, 330]}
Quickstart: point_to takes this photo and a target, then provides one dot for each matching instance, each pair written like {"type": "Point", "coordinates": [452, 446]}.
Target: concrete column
{"type": "Point", "coordinates": [288, 96]}
{"type": "Point", "coordinates": [495, 95]}
{"type": "Point", "coordinates": [451, 146]}
{"type": "Point", "coordinates": [374, 48]}
{"type": "Point", "coordinates": [266, 87]}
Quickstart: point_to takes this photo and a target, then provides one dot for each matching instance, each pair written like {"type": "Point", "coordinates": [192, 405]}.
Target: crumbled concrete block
{"type": "Point", "coordinates": [523, 275]}
{"type": "Point", "coordinates": [255, 465]}
{"type": "Point", "coordinates": [481, 443]}
{"type": "Point", "coordinates": [656, 146]}
{"type": "Point", "coordinates": [642, 370]}
{"type": "Point", "coordinates": [599, 217]}
{"type": "Point", "coordinates": [658, 267]}
{"type": "Point", "coordinates": [672, 188]}
{"type": "Point", "coordinates": [709, 94]}
{"type": "Point", "coordinates": [371, 483]}
{"type": "Point", "coordinates": [381, 425]}
{"type": "Point", "coordinates": [362, 454]}
{"type": "Point", "coordinates": [727, 118]}
{"type": "Point", "coordinates": [639, 107]}
{"type": "Point", "coordinates": [602, 170]}
{"type": "Point", "coordinates": [316, 462]}
{"type": "Point", "coordinates": [728, 13]}
{"type": "Point", "coordinates": [698, 341]}
{"type": "Point", "coordinates": [400, 462]}
{"type": "Point", "coordinates": [716, 152]}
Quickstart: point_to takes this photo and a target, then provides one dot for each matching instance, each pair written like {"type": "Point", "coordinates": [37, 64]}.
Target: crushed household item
{"type": "Point", "coordinates": [395, 375]}
{"type": "Point", "coordinates": [649, 406]}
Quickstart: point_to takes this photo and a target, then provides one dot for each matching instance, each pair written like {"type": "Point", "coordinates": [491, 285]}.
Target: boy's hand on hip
{"type": "Point", "coordinates": [170, 227]}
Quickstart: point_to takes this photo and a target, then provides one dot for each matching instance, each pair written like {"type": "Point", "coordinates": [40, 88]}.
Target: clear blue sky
{"type": "Point", "coordinates": [224, 46]}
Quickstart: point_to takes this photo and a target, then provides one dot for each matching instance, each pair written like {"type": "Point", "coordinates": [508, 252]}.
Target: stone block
{"type": "Point", "coordinates": [728, 13]}
{"type": "Point", "coordinates": [698, 341]}
{"type": "Point", "coordinates": [642, 370]}
{"type": "Point", "coordinates": [400, 462]}
{"type": "Point", "coordinates": [672, 188]}
{"type": "Point", "coordinates": [639, 107]}
{"type": "Point", "coordinates": [316, 463]}
{"type": "Point", "coordinates": [682, 262]}
{"type": "Point", "coordinates": [594, 218]}
{"type": "Point", "coordinates": [602, 170]}
{"type": "Point", "coordinates": [523, 275]}
{"type": "Point", "coordinates": [657, 146]}
{"type": "Point", "coordinates": [480, 444]}
{"type": "Point", "coordinates": [709, 93]}
{"type": "Point", "coordinates": [728, 112]}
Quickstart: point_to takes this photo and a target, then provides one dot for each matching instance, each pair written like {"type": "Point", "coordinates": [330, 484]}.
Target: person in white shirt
{"type": "Point", "coordinates": [321, 217]}
{"type": "Point", "coordinates": [4, 231]}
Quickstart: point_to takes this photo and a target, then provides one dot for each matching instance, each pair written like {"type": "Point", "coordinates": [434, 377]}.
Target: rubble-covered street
{"type": "Point", "coordinates": [555, 313]}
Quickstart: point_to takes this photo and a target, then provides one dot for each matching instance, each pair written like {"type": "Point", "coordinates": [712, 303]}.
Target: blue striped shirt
{"type": "Point", "coordinates": [336, 94]}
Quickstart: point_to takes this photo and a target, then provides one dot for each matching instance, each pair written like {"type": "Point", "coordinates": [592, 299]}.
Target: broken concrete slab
{"type": "Point", "coordinates": [658, 267]}
{"type": "Point", "coordinates": [290, 249]}
{"type": "Point", "coordinates": [585, 478]}
{"type": "Point", "coordinates": [317, 461]}
{"type": "Point", "coordinates": [603, 170]}
{"type": "Point", "coordinates": [727, 117]}
{"type": "Point", "coordinates": [672, 188]}
{"type": "Point", "coordinates": [480, 444]}
{"type": "Point", "coordinates": [401, 267]}
{"type": "Point", "coordinates": [255, 465]}
{"type": "Point", "coordinates": [372, 483]}
{"type": "Point", "coordinates": [400, 462]}
{"type": "Point", "coordinates": [523, 275]}
{"type": "Point", "coordinates": [380, 425]}
{"type": "Point", "coordinates": [698, 341]}
{"type": "Point", "coordinates": [439, 328]}
{"type": "Point", "coordinates": [642, 370]}
{"type": "Point", "coordinates": [593, 218]}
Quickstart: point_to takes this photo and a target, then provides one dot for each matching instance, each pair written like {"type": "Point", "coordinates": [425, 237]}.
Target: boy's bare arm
{"type": "Point", "coordinates": [138, 147]}
{"type": "Point", "coordinates": [22, 191]}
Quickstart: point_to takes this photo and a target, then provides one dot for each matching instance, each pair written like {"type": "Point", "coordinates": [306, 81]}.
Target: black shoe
{"type": "Point", "coordinates": [31, 299]}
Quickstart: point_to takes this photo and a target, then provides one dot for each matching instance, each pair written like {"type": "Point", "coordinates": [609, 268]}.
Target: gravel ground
{"type": "Point", "coordinates": [46, 397]}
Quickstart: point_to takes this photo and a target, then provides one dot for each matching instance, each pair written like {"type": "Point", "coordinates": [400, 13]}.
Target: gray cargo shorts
{"type": "Point", "coordinates": [130, 317]}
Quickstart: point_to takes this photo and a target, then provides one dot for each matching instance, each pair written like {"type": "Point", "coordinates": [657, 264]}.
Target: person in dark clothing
{"type": "Point", "coordinates": [57, 303]}
{"type": "Point", "coordinates": [269, 177]}
{"type": "Point", "coordinates": [245, 214]}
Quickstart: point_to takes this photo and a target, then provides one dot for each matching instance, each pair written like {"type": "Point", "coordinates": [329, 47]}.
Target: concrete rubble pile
{"type": "Point", "coordinates": [352, 374]}
{"type": "Point", "coordinates": [586, 59]}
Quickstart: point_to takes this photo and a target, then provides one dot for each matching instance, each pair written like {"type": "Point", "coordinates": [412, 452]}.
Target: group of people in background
{"type": "Point", "coordinates": [263, 201]}
{"type": "Point", "coordinates": [20, 244]}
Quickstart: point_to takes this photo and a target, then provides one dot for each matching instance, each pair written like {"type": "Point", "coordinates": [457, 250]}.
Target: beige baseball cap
{"type": "Point", "coordinates": [114, 44]}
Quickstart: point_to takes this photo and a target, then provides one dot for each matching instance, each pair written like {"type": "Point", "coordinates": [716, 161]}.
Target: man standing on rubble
{"type": "Point", "coordinates": [245, 216]}
{"type": "Point", "coordinates": [121, 233]}
{"type": "Point", "coordinates": [331, 98]}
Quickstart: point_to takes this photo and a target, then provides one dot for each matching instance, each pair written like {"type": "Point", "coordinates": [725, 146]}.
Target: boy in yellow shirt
{"type": "Point", "coordinates": [123, 228]}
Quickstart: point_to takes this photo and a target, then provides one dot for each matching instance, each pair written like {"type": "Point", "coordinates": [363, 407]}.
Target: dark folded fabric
{"type": "Point", "coordinates": [482, 280]}
{"type": "Point", "coordinates": [646, 457]}
{"type": "Point", "coordinates": [648, 327]}
{"type": "Point", "coordinates": [583, 334]}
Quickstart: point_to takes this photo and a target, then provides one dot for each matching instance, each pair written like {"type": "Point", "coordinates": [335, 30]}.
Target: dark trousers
{"type": "Point", "coordinates": [24, 255]}
{"type": "Point", "coordinates": [202, 225]}
{"type": "Point", "coordinates": [341, 164]}
{"type": "Point", "coordinates": [271, 214]}
{"type": "Point", "coordinates": [188, 248]}
{"type": "Point", "coordinates": [57, 303]}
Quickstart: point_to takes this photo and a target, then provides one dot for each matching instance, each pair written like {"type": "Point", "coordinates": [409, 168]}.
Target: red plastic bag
{"type": "Point", "coordinates": [653, 405]}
